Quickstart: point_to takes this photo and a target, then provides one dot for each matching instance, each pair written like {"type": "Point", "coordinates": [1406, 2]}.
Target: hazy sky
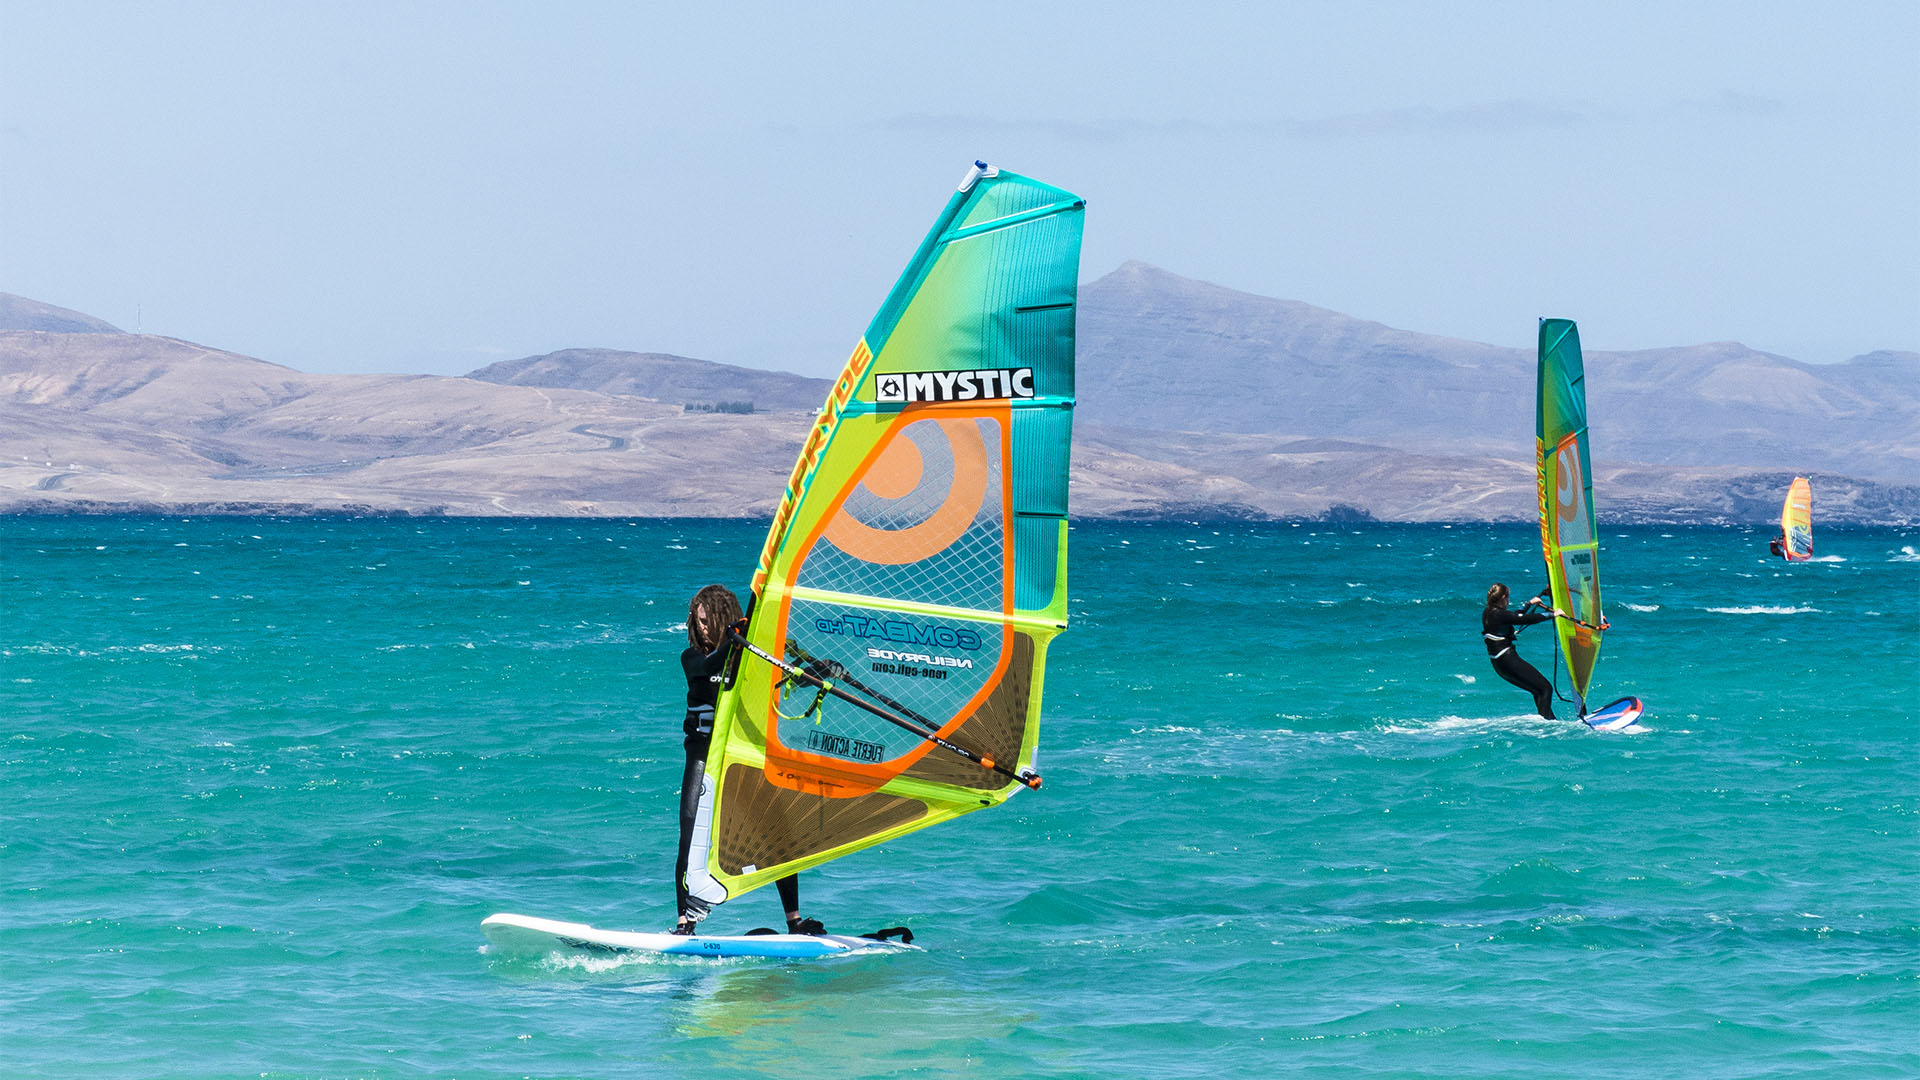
{"type": "Point", "coordinates": [433, 187]}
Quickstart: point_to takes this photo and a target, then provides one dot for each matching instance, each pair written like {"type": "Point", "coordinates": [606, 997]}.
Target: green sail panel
{"type": "Point", "coordinates": [1569, 537]}
{"type": "Point", "coordinates": [917, 560]}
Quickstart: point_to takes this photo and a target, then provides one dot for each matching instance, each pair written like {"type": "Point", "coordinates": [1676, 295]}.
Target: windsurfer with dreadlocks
{"type": "Point", "coordinates": [713, 617]}
{"type": "Point", "coordinates": [1498, 627]}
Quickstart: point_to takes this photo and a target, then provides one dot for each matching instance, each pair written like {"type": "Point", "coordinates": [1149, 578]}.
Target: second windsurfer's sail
{"type": "Point", "coordinates": [916, 568]}
{"type": "Point", "coordinates": [1569, 539]}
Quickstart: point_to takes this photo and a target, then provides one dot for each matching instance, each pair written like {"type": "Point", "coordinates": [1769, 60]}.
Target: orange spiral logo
{"type": "Point", "coordinates": [899, 471]}
{"type": "Point", "coordinates": [1567, 481]}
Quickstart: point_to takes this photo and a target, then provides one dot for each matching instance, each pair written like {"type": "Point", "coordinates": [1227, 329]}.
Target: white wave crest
{"type": "Point", "coordinates": [1641, 607]}
{"type": "Point", "coordinates": [1524, 724]}
{"type": "Point", "coordinates": [1906, 554]}
{"type": "Point", "coordinates": [1826, 558]}
{"type": "Point", "coordinates": [1765, 609]}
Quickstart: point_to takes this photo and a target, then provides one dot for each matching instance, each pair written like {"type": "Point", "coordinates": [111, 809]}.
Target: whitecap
{"type": "Point", "coordinates": [1527, 724]}
{"type": "Point", "coordinates": [1641, 607]}
{"type": "Point", "coordinates": [1906, 554]}
{"type": "Point", "coordinates": [1766, 609]}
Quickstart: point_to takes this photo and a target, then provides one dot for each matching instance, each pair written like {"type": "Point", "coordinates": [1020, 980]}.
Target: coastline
{"type": "Point", "coordinates": [1191, 515]}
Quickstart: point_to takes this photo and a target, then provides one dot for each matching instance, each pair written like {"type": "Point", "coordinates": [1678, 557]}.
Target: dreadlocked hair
{"type": "Point", "coordinates": [711, 611]}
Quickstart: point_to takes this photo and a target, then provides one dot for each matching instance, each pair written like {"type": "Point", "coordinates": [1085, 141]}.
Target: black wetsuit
{"type": "Point", "coordinates": [1498, 627]}
{"type": "Point", "coordinates": [703, 671]}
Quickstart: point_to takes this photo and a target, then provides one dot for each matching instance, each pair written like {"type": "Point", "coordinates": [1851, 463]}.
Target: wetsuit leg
{"type": "Point", "coordinates": [691, 781]}
{"type": "Point", "coordinates": [790, 900]}
{"type": "Point", "coordinates": [1527, 677]}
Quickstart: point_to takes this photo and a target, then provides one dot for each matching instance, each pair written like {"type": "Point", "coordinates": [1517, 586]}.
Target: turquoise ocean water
{"type": "Point", "coordinates": [262, 779]}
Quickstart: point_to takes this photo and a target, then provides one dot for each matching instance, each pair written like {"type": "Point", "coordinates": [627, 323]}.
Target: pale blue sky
{"type": "Point", "coordinates": [428, 187]}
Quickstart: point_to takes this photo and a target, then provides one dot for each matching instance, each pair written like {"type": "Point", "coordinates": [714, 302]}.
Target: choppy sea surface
{"type": "Point", "coordinates": [262, 779]}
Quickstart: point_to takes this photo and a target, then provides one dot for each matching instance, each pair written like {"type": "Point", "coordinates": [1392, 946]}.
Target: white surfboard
{"type": "Point", "coordinates": [524, 935]}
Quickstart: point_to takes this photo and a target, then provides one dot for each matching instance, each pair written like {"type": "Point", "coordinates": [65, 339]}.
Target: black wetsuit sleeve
{"type": "Point", "coordinates": [1505, 620]}
{"type": "Point", "coordinates": [698, 666]}
{"type": "Point", "coordinates": [1498, 626]}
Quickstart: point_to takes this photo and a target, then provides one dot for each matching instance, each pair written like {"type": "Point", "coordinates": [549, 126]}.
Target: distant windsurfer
{"type": "Point", "coordinates": [1498, 626]}
{"type": "Point", "coordinates": [713, 616]}
{"type": "Point", "coordinates": [1778, 545]}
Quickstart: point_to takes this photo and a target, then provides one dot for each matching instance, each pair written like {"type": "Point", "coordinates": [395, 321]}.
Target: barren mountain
{"type": "Point", "coordinates": [1199, 357]}
{"type": "Point", "coordinates": [103, 422]}
{"type": "Point", "coordinates": [1196, 401]}
{"type": "Point", "coordinates": [20, 313]}
{"type": "Point", "coordinates": [662, 377]}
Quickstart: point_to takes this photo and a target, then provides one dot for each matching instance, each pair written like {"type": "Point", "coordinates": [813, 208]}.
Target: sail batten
{"type": "Point", "coordinates": [915, 570]}
{"type": "Point", "coordinates": [907, 607]}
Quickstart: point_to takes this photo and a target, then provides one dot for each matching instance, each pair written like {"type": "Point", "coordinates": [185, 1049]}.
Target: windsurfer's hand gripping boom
{"type": "Point", "coordinates": [1546, 605]}
{"type": "Point", "coordinates": [923, 728]}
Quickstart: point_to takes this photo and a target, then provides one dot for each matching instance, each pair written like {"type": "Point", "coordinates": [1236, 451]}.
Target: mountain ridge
{"type": "Point", "coordinates": [660, 376]}
{"type": "Point", "coordinates": [20, 313]}
{"type": "Point", "coordinates": [1252, 364]}
{"type": "Point", "coordinates": [94, 420]}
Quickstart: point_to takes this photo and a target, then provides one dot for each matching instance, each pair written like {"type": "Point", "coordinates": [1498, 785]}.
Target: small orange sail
{"type": "Point", "coordinates": [1796, 521]}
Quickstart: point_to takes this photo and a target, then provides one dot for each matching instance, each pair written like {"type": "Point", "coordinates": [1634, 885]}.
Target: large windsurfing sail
{"type": "Point", "coordinates": [917, 566]}
{"type": "Point", "coordinates": [1796, 520]}
{"type": "Point", "coordinates": [1569, 538]}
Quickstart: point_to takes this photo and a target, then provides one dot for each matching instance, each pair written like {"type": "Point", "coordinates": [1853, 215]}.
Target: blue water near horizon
{"type": "Point", "coordinates": [263, 778]}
